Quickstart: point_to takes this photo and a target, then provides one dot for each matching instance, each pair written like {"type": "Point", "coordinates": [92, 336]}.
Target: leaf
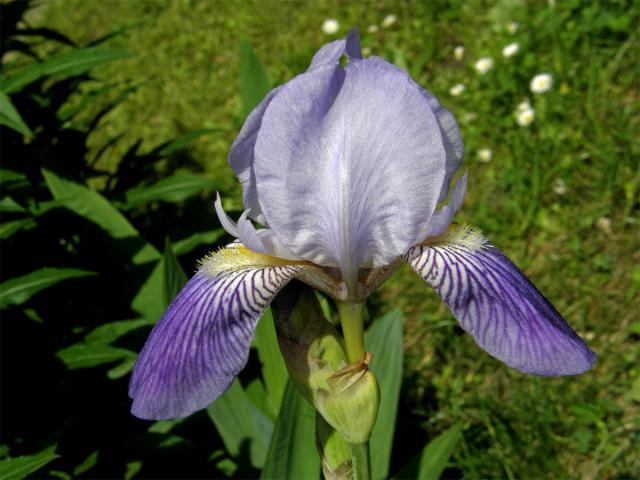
{"type": "Point", "coordinates": [9, 205]}
{"type": "Point", "coordinates": [238, 421]}
{"type": "Point", "coordinates": [292, 452]}
{"type": "Point", "coordinates": [10, 179]}
{"type": "Point", "coordinates": [97, 209]}
{"type": "Point", "coordinates": [10, 117]}
{"type": "Point", "coordinates": [9, 228]}
{"type": "Point", "coordinates": [73, 62]}
{"type": "Point", "coordinates": [18, 290]}
{"type": "Point", "coordinates": [384, 340]}
{"type": "Point", "coordinates": [274, 370]}
{"type": "Point", "coordinates": [110, 332]}
{"type": "Point", "coordinates": [87, 464]}
{"type": "Point", "coordinates": [254, 83]}
{"type": "Point", "coordinates": [431, 462]}
{"type": "Point", "coordinates": [82, 355]}
{"type": "Point", "coordinates": [174, 276]}
{"type": "Point", "coordinates": [19, 467]}
{"type": "Point", "coordinates": [186, 245]}
{"type": "Point", "coordinates": [171, 189]}
{"type": "Point", "coordinates": [182, 141]}
{"type": "Point", "coordinates": [121, 370]}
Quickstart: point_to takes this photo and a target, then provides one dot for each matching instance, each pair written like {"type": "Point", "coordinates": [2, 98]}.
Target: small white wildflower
{"type": "Point", "coordinates": [485, 155]}
{"type": "Point", "coordinates": [483, 65]}
{"type": "Point", "coordinates": [458, 52]}
{"type": "Point", "coordinates": [523, 105]}
{"type": "Point", "coordinates": [389, 20]}
{"type": "Point", "coordinates": [510, 50]}
{"type": "Point", "coordinates": [525, 117]}
{"type": "Point", "coordinates": [373, 28]}
{"type": "Point", "coordinates": [604, 224]}
{"type": "Point", "coordinates": [457, 90]}
{"type": "Point", "coordinates": [330, 26]}
{"type": "Point", "coordinates": [512, 27]}
{"type": "Point", "coordinates": [541, 83]}
{"type": "Point", "coordinates": [559, 186]}
{"type": "Point", "coordinates": [366, 51]}
{"type": "Point", "coordinates": [469, 116]}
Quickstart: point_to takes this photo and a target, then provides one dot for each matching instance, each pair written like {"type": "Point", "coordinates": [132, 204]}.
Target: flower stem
{"type": "Point", "coordinates": [352, 320]}
{"type": "Point", "coordinates": [360, 461]}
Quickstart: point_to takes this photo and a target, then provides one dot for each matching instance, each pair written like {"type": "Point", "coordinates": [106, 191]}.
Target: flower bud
{"type": "Point", "coordinates": [347, 396]}
{"type": "Point", "coordinates": [334, 451]}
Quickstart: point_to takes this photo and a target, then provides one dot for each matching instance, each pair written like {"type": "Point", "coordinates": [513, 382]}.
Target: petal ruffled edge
{"type": "Point", "coordinates": [496, 303]}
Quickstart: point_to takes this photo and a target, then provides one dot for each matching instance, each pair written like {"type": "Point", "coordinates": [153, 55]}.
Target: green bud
{"type": "Point", "coordinates": [334, 451]}
{"type": "Point", "coordinates": [347, 396]}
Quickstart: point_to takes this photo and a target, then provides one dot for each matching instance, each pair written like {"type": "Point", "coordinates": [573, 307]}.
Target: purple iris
{"type": "Point", "coordinates": [345, 167]}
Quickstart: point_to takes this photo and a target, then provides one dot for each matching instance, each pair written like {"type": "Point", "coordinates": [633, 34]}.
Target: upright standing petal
{"type": "Point", "coordinates": [202, 341]}
{"type": "Point", "coordinates": [349, 164]}
{"type": "Point", "coordinates": [499, 306]}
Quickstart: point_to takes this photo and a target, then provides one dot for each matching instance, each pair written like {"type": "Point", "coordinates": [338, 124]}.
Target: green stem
{"type": "Point", "coordinates": [361, 462]}
{"type": "Point", "coordinates": [352, 320]}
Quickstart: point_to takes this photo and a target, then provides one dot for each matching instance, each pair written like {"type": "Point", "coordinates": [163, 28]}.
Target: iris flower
{"type": "Point", "coordinates": [346, 173]}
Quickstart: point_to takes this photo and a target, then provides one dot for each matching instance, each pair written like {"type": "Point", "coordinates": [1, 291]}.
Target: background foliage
{"type": "Point", "coordinates": [116, 121]}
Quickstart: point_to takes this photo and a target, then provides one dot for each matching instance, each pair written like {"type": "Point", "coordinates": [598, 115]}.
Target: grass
{"type": "Point", "coordinates": [580, 246]}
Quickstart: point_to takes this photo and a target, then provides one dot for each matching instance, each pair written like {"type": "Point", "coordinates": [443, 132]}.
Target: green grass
{"type": "Point", "coordinates": [585, 134]}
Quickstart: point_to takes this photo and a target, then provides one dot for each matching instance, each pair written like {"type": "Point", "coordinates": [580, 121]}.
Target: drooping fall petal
{"type": "Point", "coordinates": [494, 302]}
{"type": "Point", "coordinates": [202, 341]}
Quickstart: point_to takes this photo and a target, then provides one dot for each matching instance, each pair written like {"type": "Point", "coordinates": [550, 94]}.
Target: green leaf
{"type": "Point", "coordinates": [19, 467]}
{"type": "Point", "coordinates": [431, 462]}
{"type": "Point", "coordinates": [9, 205]}
{"type": "Point", "coordinates": [121, 370]}
{"type": "Point", "coordinates": [110, 332]}
{"type": "Point", "coordinates": [171, 189]}
{"type": "Point", "coordinates": [9, 228]}
{"type": "Point", "coordinates": [97, 209]}
{"type": "Point", "coordinates": [292, 452]}
{"type": "Point", "coordinates": [87, 464]}
{"type": "Point", "coordinates": [81, 355]}
{"type": "Point", "coordinates": [274, 370]}
{"type": "Point", "coordinates": [174, 276]}
{"type": "Point", "coordinates": [186, 245]}
{"type": "Point", "coordinates": [73, 62]}
{"type": "Point", "coordinates": [254, 83]}
{"type": "Point", "coordinates": [10, 117]}
{"type": "Point", "coordinates": [238, 421]}
{"type": "Point", "coordinates": [384, 340]}
{"type": "Point", "coordinates": [10, 179]}
{"type": "Point", "coordinates": [16, 291]}
{"type": "Point", "coordinates": [184, 140]}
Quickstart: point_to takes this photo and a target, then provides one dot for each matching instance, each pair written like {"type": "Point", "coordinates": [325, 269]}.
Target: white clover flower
{"type": "Point", "coordinates": [541, 83]}
{"type": "Point", "coordinates": [523, 105]}
{"type": "Point", "coordinates": [559, 186]}
{"type": "Point", "coordinates": [366, 51]}
{"type": "Point", "coordinates": [604, 224]}
{"type": "Point", "coordinates": [510, 50]}
{"type": "Point", "coordinates": [457, 90]}
{"type": "Point", "coordinates": [485, 155]}
{"type": "Point", "coordinates": [483, 65]}
{"type": "Point", "coordinates": [512, 27]}
{"type": "Point", "coordinates": [458, 52]}
{"type": "Point", "coordinates": [330, 26]}
{"type": "Point", "coordinates": [389, 20]}
{"type": "Point", "coordinates": [373, 28]}
{"type": "Point", "coordinates": [525, 117]}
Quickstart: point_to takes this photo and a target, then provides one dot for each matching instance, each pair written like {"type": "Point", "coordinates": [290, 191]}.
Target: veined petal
{"type": "Point", "coordinates": [349, 165]}
{"type": "Point", "coordinates": [332, 52]}
{"type": "Point", "coordinates": [202, 341]}
{"type": "Point", "coordinates": [494, 302]}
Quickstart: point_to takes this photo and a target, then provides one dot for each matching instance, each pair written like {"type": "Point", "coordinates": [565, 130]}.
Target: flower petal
{"type": "Point", "coordinates": [202, 341]}
{"type": "Point", "coordinates": [349, 164]}
{"type": "Point", "coordinates": [442, 218]}
{"type": "Point", "coordinates": [493, 301]}
{"type": "Point", "coordinates": [332, 52]}
{"type": "Point", "coordinates": [453, 141]}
